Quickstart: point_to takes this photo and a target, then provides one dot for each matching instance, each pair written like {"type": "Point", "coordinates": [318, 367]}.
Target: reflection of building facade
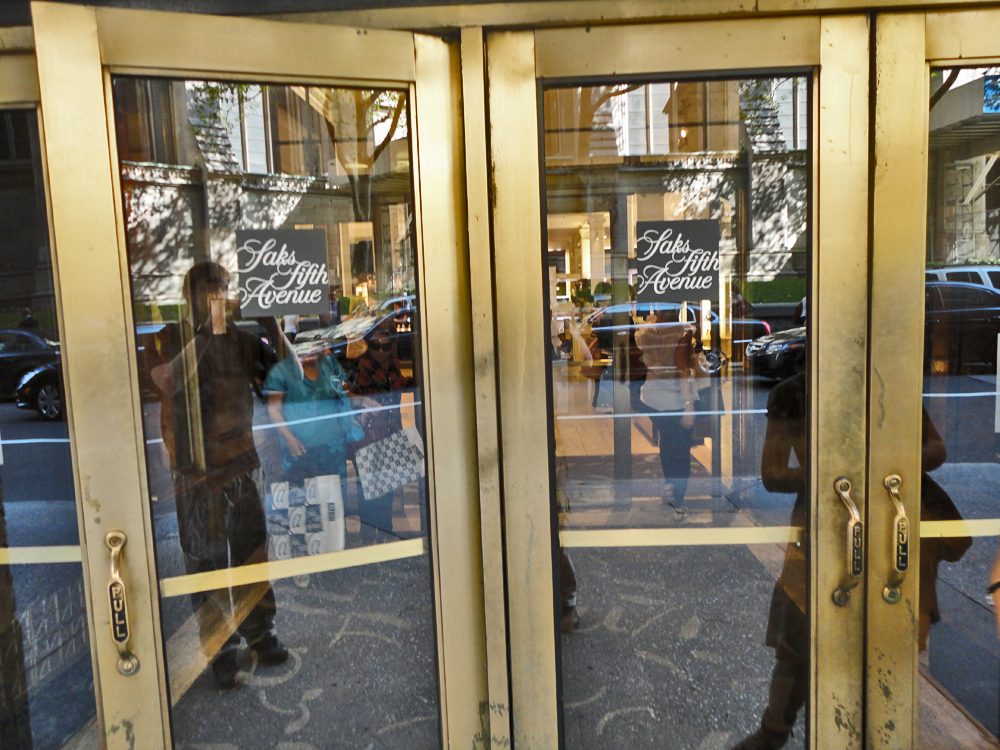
{"type": "Point", "coordinates": [25, 278]}
{"type": "Point", "coordinates": [646, 134]}
{"type": "Point", "coordinates": [233, 156]}
{"type": "Point", "coordinates": [964, 141]}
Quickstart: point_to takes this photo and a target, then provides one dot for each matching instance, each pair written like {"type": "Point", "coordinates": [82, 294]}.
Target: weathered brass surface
{"type": "Point", "coordinates": [217, 44]}
{"type": "Point", "coordinates": [837, 373]}
{"type": "Point", "coordinates": [95, 340]}
{"type": "Point", "coordinates": [484, 352]}
{"type": "Point", "coordinates": [897, 325]}
{"type": "Point", "coordinates": [18, 80]}
{"type": "Point", "coordinates": [678, 47]}
{"type": "Point", "coordinates": [450, 389]}
{"type": "Point", "coordinates": [521, 360]}
{"type": "Point", "coordinates": [580, 12]}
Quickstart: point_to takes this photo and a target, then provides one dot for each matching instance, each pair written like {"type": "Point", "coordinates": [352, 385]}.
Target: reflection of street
{"type": "Point", "coordinates": [38, 502]}
{"type": "Point", "coordinates": [671, 644]}
{"type": "Point", "coordinates": [359, 670]}
{"type": "Point", "coordinates": [964, 654]}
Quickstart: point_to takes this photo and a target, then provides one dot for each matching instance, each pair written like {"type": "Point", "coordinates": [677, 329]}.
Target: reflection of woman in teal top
{"type": "Point", "coordinates": [305, 399]}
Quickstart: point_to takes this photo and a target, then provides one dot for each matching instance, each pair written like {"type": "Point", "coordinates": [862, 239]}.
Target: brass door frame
{"type": "Point", "coordinates": [19, 89]}
{"type": "Point", "coordinates": [516, 61]}
{"type": "Point", "coordinates": [907, 45]}
{"type": "Point", "coordinates": [77, 50]}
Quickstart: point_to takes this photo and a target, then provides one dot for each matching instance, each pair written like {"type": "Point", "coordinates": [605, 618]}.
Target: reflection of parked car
{"type": "Point", "coordinates": [399, 323]}
{"type": "Point", "coordinates": [775, 356]}
{"type": "Point", "coordinates": [603, 324]}
{"type": "Point", "coordinates": [41, 389]}
{"type": "Point", "coordinates": [21, 352]}
{"type": "Point", "coordinates": [982, 275]}
{"type": "Point", "coordinates": [961, 323]}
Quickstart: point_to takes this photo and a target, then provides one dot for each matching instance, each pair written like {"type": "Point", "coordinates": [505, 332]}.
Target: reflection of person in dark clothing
{"type": "Point", "coordinates": [207, 424]}
{"type": "Point", "coordinates": [27, 319]}
{"type": "Point", "coordinates": [782, 469]}
{"type": "Point", "coordinates": [787, 626]}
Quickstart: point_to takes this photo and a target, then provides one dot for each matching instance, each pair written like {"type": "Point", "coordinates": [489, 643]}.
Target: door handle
{"type": "Point", "coordinates": [901, 542]}
{"type": "Point", "coordinates": [855, 544]}
{"type": "Point", "coordinates": [121, 631]}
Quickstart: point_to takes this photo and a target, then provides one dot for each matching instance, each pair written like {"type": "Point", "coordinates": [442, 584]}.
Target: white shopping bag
{"type": "Point", "coordinates": [315, 517]}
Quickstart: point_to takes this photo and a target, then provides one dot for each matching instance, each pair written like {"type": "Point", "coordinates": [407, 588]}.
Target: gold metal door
{"type": "Point", "coordinates": [169, 136]}
{"type": "Point", "coordinates": [655, 633]}
{"type": "Point", "coordinates": [46, 681]}
{"type": "Point", "coordinates": [932, 640]}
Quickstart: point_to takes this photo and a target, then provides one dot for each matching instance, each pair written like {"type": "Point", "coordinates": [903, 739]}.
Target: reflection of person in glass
{"type": "Point", "coordinates": [787, 628]}
{"type": "Point", "coordinates": [782, 469]}
{"type": "Point", "coordinates": [302, 396]}
{"type": "Point", "coordinates": [380, 379]}
{"type": "Point", "coordinates": [207, 425]}
{"type": "Point", "coordinates": [667, 346]}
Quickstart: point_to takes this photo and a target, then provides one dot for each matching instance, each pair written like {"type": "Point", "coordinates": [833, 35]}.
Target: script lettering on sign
{"type": "Point", "coordinates": [282, 272]}
{"type": "Point", "coordinates": [677, 261]}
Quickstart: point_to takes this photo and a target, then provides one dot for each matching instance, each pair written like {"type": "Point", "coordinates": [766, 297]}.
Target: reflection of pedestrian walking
{"type": "Point", "coordinates": [207, 422]}
{"type": "Point", "coordinates": [381, 380]}
{"type": "Point", "coordinates": [301, 399]}
{"type": "Point", "coordinates": [667, 347]}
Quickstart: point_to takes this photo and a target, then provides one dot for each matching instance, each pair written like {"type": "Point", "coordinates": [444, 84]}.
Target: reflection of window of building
{"type": "Point", "coordinates": [15, 138]}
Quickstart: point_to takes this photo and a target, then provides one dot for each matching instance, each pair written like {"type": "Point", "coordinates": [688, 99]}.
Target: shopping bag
{"type": "Point", "coordinates": [390, 463]}
{"type": "Point", "coordinates": [315, 517]}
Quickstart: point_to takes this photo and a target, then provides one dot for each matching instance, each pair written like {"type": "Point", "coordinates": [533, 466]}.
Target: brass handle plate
{"type": "Point", "coordinates": [901, 541]}
{"type": "Point", "coordinates": [121, 631]}
{"type": "Point", "coordinates": [855, 544]}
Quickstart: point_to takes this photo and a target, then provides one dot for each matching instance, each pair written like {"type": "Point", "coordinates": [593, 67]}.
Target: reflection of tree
{"type": "Point", "coordinates": [352, 119]}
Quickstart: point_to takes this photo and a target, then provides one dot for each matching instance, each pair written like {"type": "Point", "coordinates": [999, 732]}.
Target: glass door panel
{"type": "Point", "coordinates": [678, 229]}
{"type": "Point", "coordinates": [263, 432]}
{"type": "Point", "coordinates": [275, 289]}
{"type": "Point", "coordinates": [46, 674]}
{"type": "Point", "coordinates": [960, 518]}
{"type": "Point", "coordinates": [704, 414]}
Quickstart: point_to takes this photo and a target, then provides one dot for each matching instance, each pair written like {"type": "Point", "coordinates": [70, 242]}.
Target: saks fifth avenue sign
{"type": "Point", "coordinates": [677, 261]}
{"type": "Point", "coordinates": [282, 272]}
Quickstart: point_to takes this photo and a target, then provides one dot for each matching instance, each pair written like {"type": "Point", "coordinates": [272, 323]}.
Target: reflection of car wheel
{"type": "Point", "coordinates": [48, 402]}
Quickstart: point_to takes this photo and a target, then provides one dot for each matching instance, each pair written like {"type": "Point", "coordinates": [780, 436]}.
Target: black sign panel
{"type": "Point", "coordinates": [677, 261]}
{"type": "Point", "coordinates": [119, 613]}
{"type": "Point", "coordinates": [282, 272]}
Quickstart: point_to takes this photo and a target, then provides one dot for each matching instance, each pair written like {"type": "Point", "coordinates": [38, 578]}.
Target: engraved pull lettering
{"type": "Point", "coordinates": [128, 664]}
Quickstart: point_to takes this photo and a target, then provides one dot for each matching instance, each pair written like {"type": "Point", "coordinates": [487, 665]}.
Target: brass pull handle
{"type": "Point", "coordinates": [121, 630]}
{"type": "Point", "coordinates": [855, 544]}
{"type": "Point", "coordinates": [901, 546]}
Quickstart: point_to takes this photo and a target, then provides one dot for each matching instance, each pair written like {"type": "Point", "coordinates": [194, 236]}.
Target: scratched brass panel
{"type": "Point", "coordinates": [897, 324]}
{"type": "Point", "coordinates": [99, 391]}
{"type": "Point", "coordinates": [18, 80]}
{"type": "Point", "coordinates": [156, 39]}
{"type": "Point", "coordinates": [838, 374]}
{"type": "Point", "coordinates": [676, 48]}
{"type": "Point", "coordinates": [521, 360]}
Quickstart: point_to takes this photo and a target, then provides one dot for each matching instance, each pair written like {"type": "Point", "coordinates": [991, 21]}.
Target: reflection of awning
{"type": "Point", "coordinates": [964, 122]}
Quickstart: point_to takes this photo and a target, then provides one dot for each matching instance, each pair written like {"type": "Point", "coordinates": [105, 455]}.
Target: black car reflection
{"type": "Point", "coordinates": [775, 357]}
{"type": "Point", "coordinates": [961, 324]}
{"type": "Point", "coordinates": [41, 389]}
{"type": "Point", "coordinates": [20, 353]}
